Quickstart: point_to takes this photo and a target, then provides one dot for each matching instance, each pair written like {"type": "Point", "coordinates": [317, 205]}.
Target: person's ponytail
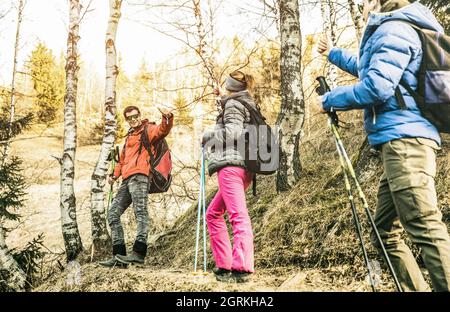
{"type": "Point", "coordinates": [250, 81]}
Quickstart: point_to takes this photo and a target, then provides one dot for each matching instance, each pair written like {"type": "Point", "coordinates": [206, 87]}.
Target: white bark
{"type": "Point", "coordinates": [70, 231]}
{"type": "Point", "coordinates": [100, 235]}
{"type": "Point", "coordinates": [329, 27]}
{"type": "Point", "coordinates": [13, 81]}
{"type": "Point", "coordinates": [291, 117]}
{"type": "Point", "coordinates": [357, 18]}
{"type": "Point", "coordinates": [12, 274]}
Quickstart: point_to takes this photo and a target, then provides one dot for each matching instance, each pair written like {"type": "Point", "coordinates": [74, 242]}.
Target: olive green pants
{"type": "Point", "coordinates": [407, 200]}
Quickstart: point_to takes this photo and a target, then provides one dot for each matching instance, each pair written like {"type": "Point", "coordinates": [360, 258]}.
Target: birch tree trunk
{"type": "Point", "coordinates": [13, 82]}
{"type": "Point", "coordinates": [291, 117]}
{"type": "Point", "coordinates": [71, 235]}
{"type": "Point", "coordinates": [10, 272]}
{"type": "Point", "coordinates": [329, 27]}
{"type": "Point", "coordinates": [356, 18]}
{"type": "Point", "coordinates": [100, 238]}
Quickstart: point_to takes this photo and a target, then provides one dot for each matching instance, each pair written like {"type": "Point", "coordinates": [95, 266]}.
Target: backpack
{"type": "Point", "coordinates": [433, 90]}
{"type": "Point", "coordinates": [266, 142]}
{"type": "Point", "coordinates": [159, 177]}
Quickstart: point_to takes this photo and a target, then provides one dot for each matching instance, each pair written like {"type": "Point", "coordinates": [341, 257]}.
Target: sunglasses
{"type": "Point", "coordinates": [132, 117]}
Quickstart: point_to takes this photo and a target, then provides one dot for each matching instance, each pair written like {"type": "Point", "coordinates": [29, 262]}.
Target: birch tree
{"type": "Point", "coordinates": [356, 18]}
{"type": "Point", "coordinates": [329, 28]}
{"type": "Point", "coordinates": [100, 237]}
{"type": "Point", "coordinates": [71, 235]}
{"type": "Point", "coordinates": [291, 117]}
{"type": "Point", "coordinates": [13, 80]}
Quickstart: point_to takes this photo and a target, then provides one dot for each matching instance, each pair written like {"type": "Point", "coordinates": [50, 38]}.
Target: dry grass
{"type": "Point", "coordinates": [310, 227]}
{"type": "Point", "coordinates": [143, 279]}
{"type": "Point", "coordinates": [304, 239]}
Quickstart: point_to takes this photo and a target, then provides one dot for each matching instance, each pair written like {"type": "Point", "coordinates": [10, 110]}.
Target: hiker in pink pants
{"type": "Point", "coordinates": [233, 181]}
{"type": "Point", "coordinates": [234, 262]}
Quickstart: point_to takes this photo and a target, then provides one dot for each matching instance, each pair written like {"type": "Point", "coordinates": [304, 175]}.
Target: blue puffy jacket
{"type": "Point", "coordinates": [389, 51]}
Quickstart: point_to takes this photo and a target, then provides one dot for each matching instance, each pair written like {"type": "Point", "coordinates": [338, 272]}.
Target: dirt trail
{"type": "Point", "coordinates": [92, 277]}
{"type": "Point", "coordinates": [41, 212]}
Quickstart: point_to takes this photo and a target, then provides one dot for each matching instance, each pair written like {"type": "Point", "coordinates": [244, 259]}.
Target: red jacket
{"type": "Point", "coordinates": [131, 162]}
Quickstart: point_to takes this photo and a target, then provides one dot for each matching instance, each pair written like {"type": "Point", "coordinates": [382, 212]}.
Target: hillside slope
{"type": "Point", "coordinates": [311, 226]}
{"type": "Point", "coordinates": [304, 239]}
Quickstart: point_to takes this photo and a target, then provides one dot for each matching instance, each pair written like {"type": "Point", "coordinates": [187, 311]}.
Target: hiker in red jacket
{"type": "Point", "coordinates": [134, 167]}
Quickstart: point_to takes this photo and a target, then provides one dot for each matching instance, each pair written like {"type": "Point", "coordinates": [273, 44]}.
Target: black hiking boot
{"type": "Point", "coordinates": [133, 257]}
{"type": "Point", "coordinates": [240, 277]}
{"type": "Point", "coordinates": [113, 262]}
{"type": "Point", "coordinates": [220, 271]}
{"type": "Point", "coordinates": [222, 275]}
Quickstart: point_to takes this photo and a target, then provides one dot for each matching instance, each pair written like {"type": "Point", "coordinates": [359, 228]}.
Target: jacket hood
{"type": "Point", "coordinates": [415, 13]}
{"type": "Point", "coordinates": [241, 95]}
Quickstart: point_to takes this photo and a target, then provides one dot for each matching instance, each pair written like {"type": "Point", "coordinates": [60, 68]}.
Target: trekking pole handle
{"type": "Point", "coordinates": [321, 90]}
{"type": "Point", "coordinates": [323, 86]}
{"type": "Point", "coordinates": [117, 154]}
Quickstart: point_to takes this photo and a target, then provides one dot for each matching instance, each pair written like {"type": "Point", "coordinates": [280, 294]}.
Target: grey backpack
{"type": "Point", "coordinates": [433, 91]}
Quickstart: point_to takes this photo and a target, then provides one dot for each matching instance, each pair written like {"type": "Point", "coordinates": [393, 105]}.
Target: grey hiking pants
{"type": "Point", "coordinates": [132, 190]}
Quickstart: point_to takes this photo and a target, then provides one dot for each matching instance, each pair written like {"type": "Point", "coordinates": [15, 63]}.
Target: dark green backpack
{"type": "Point", "coordinates": [433, 90]}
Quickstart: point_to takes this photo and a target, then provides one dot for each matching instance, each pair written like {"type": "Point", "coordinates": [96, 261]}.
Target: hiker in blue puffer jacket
{"type": "Point", "coordinates": [391, 51]}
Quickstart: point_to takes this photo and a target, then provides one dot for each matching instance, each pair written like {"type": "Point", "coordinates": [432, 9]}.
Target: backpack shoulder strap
{"type": "Point", "coordinates": [252, 110]}
{"type": "Point", "coordinates": [401, 99]}
{"type": "Point", "coordinates": [225, 105]}
{"type": "Point", "coordinates": [146, 144]}
{"type": "Point", "coordinates": [125, 144]}
{"type": "Point", "coordinates": [144, 140]}
{"type": "Point", "coordinates": [398, 93]}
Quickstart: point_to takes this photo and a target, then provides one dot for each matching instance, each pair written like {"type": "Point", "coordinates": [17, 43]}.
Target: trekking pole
{"type": "Point", "coordinates": [356, 218]}
{"type": "Point", "coordinates": [201, 208]}
{"type": "Point", "coordinates": [333, 119]}
{"type": "Point", "coordinates": [204, 209]}
{"type": "Point", "coordinates": [114, 157]}
{"type": "Point", "coordinates": [322, 89]}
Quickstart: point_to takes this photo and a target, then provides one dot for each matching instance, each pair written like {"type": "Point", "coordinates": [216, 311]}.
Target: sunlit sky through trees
{"type": "Point", "coordinates": [46, 21]}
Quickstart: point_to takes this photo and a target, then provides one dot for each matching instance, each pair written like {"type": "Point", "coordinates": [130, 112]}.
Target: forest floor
{"type": "Point", "coordinates": [92, 278]}
{"type": "Point", "coordinates": [313, 243]}
{"type": "Point", "coordinates": [41, 212]}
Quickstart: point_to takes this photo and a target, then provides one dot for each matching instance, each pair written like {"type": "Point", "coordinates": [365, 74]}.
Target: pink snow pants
{"type": "Point", "coordinates": [233, 181]}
